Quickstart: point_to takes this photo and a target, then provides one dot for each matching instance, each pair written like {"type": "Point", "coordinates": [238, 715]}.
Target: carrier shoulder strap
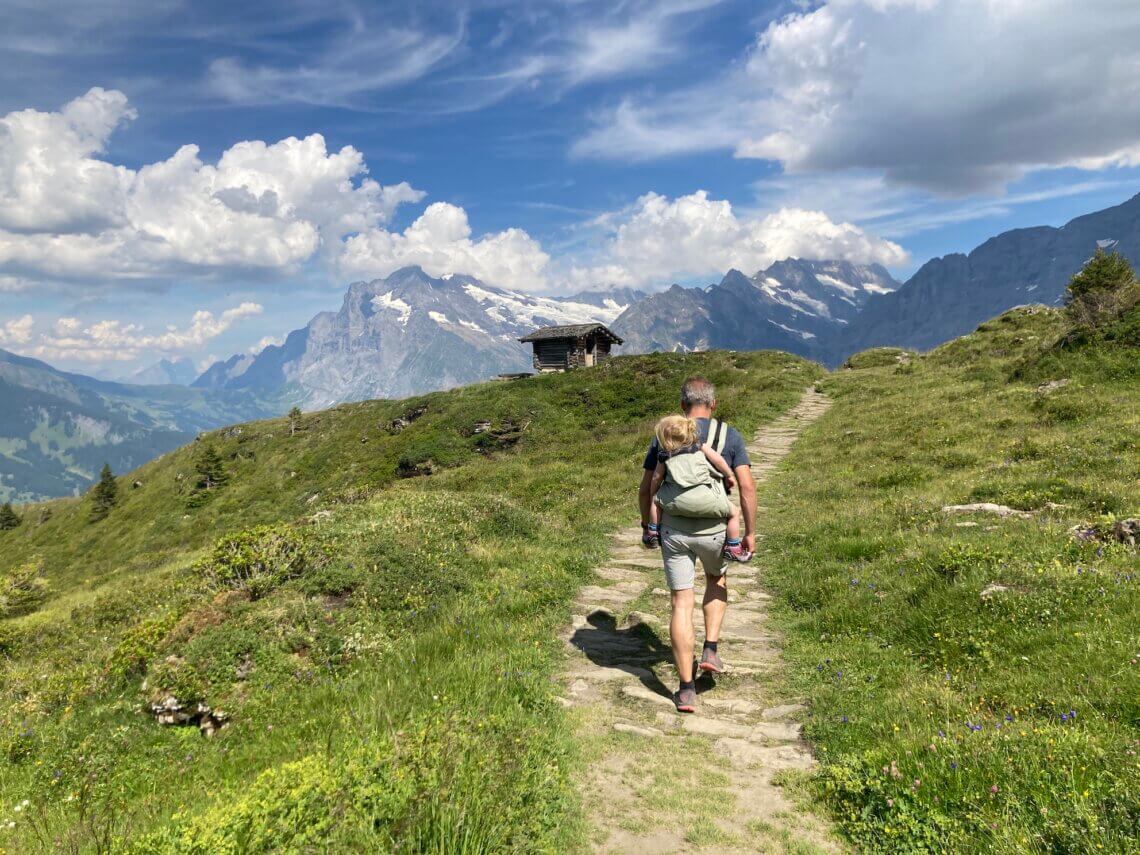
{"type": "Point", "coordinates": [716, 437]}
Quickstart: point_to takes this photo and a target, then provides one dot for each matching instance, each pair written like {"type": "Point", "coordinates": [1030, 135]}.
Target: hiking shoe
{"type": "Point", "coordinates": [685, 700]}
{"type": "Point", "coordinates": [650, 539]}
{"type": "Point", "coordinates": [710, 662]}
{"type": "Point", "coordinates": [739, 552]}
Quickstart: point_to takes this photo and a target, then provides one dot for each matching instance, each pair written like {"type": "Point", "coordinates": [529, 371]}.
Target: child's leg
{"type": "Point", "coordinates": [651, 533]}
{"type": "Point", "coordinates": [734, 549]}
{"type": "Point", "coordinates": [733, 527]}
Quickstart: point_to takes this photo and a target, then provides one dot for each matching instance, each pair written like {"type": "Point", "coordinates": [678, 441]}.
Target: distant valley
{"type": "Point", "coordinates": [57, 429]}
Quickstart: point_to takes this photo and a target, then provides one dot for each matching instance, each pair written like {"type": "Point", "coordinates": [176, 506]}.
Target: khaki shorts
{"type": "Point", "coordinates": [681, 552]}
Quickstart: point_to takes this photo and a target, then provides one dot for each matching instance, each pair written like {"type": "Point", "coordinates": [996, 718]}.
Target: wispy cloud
{"type": "Point", "coordinates": [644, 38]}
{"type": "Point", "coordinates": [360, 63]}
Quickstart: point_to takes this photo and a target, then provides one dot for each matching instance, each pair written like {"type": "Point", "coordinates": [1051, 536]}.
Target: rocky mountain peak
{"type": "Point", "coordinates": [791, 305]}
{"type": "Point", "coordinates": [407, 333]}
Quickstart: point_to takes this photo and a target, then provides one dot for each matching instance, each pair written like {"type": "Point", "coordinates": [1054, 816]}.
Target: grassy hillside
{"type": "Point", "coordinates": [383, 646]}
{"type": "Point", "coordinates": [973, 678]}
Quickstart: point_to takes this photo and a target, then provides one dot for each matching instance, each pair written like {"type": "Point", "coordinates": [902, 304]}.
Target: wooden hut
{"type": "Point", "coordinates": [578, 346]}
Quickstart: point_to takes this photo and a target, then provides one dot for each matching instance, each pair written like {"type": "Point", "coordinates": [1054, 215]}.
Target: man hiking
{"type": "Point", "coordinates": [685, 540]}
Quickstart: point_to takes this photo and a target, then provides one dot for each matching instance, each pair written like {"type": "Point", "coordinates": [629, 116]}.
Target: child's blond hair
{"type": "Point", "coordinates": [675, 432]}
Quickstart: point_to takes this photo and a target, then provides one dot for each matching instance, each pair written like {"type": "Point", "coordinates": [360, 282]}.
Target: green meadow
{"type": "Point", "coordinates": [368, 598]}
{"type": "Point", "coordinates": [370, 595]}
{"type": "Point", "coordinates": [973, 678]}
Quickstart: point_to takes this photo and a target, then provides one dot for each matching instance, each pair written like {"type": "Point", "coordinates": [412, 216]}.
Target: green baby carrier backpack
{"type": "Point", "coordinates": [692, 487]}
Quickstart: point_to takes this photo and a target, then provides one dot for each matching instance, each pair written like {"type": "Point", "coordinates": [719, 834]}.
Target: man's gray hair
{"type": "Point", "coordinates": [697, 391]}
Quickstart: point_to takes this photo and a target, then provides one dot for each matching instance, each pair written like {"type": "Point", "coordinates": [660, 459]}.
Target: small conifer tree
{"type": "Point", "coordinates": [211, 471]}
{"type": "Point", "coordinates": [105, 495]}
{"type": "Point", "coordinates": [8, 518]}
{"type": "Point", "coordinates": [1102, 289]}
{"type": "Point", "coordinates": [294, 420]}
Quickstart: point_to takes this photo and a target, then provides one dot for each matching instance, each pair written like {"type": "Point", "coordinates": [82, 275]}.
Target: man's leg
{"type": "Point", "coordinates": [715, 602]}
{"type": "Point", "coordinates": [681, 633]}
{"type": "Point", "coordinates": [680, 573]}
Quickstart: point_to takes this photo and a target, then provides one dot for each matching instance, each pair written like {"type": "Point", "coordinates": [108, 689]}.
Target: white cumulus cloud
{"type": "Point", "coordinates": [440, 242]}
{"type": "Point", "coordinates": [266, 341]}
{"type": "Point", "coordinates": [660, 239]}
{"type": "Point", "coordinates": [119, 341]}
{"type": "Point", "coordinates": [953, 96]}
{"type": "Point", "coordinates": [66, 213]}
{"type": "Point", "coordinates": [18, 331]}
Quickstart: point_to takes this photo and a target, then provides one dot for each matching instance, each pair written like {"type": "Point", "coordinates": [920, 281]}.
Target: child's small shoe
{"type": "Point", "coordinates": [650, 536]}
{"type": "Point", "coordinates": [736, 552]}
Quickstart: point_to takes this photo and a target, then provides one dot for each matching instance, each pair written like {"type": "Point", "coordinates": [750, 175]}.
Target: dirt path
{"type": "Point", "coordinates": [662, 782]}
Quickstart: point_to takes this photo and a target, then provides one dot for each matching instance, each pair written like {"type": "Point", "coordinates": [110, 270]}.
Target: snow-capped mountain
{"type": "Point", "coordinates": [793, 305]}
{"type": "Point", "coordinates": [406, 334]}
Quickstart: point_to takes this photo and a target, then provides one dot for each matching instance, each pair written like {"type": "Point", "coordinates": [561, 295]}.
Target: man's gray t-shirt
{"type": "Point", "coordinates": [734, 454]}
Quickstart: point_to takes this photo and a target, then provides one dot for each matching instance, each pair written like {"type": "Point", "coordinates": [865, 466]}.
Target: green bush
{"type": "Point", "coordinates": [23, 590]}
{"type": "Point", "coordinates": [1102, 290]}
{"type": "Point", "coordinates": [259, 559]}
{"type": "Point", "coordinates": [175, 676]}
{"type": "Point", "coordinates": [139, 644]}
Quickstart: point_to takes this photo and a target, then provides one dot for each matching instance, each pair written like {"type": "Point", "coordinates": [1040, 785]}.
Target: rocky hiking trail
{"type": "Point", "coordinates": [658, 781]}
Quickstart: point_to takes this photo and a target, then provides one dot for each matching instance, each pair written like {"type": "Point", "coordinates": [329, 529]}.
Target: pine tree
{"type": "Point", "coordinates": [211, 471]}
{"type": "Point", "coordinates": [1102, 290]}
{"type": "Point", "coordinates": [105, 495]}
{"type": "Point", "coordinates": [8, 518]}
{"type": "Point", "coordinates": [1104, 272]}
{"type": "Point", "coordinates": [294, 420]}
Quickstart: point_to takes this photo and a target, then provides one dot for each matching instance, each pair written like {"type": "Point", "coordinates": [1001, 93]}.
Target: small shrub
{"type": "Point", "coordinates": [175, 676]}
{"type": "Point", "coordinates": [23, 590]}
{"type": "Point", "coordinates": [8, 517]}
{"type": "Point", "coordinates": [108, 609]}
{"type": "Point", "coordinates": [958, 559]}
{"type": "Point", "coordinates": [11, 640]}
{"type": "Point", "coordinates": [259, 559]}
{"type": "Point", "coordinates": [1026, 449]}
{"type": "Point", "coordinates": [898, 476]}
{"type": "Point", "coordinates": [139, 645]}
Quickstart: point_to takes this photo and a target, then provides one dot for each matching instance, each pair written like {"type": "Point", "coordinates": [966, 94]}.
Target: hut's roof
{"type": "Point", "coordinates": [573, 331]}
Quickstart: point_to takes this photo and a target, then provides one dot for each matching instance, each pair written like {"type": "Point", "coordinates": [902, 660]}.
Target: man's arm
{"type": "Point", "coordinates": [747, 487]}
{"type": "Point", "coordinates": [645, 495]}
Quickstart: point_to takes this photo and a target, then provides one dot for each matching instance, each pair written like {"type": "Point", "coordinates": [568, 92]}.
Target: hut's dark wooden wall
{"type": "Point", "coordinates": [551, 354]}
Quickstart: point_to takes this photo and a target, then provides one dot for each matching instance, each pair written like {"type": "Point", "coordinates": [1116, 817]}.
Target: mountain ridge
{"type": "Point", "coordinates": [790, 305]}
{"type": "Point", "coordinates": [406, 334]}
{"type": "Point", "coordinates": [949, 296]}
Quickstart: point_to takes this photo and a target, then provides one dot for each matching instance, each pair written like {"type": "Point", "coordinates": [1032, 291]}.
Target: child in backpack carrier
{"type": "Point", "coordinates": [693, 480]}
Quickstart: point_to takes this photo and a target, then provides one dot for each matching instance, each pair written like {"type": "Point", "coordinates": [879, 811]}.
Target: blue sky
{"type": "Point", "coordinates": [541, 146]}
